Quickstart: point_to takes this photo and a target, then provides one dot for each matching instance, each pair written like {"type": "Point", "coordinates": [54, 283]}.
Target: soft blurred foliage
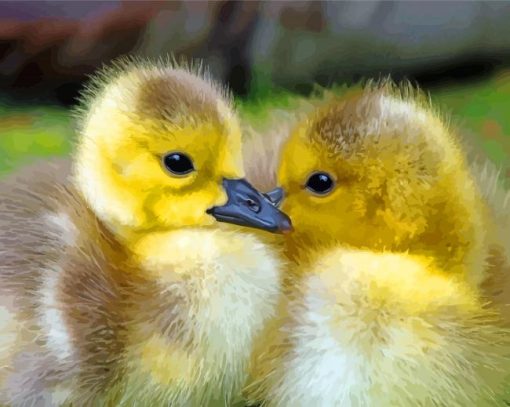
{"type": "Point", "coordinates": [480, 110]}
{"type": "Point", "coordinates": [270, 54]}
{"type": "Point", "coordinates": [31, 133]}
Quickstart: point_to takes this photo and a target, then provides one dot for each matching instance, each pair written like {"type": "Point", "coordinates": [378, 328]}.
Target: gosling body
{"type": "Point", "coordinates": [386, 297]}
{"type": "Point", "coordinates": [117, 285]}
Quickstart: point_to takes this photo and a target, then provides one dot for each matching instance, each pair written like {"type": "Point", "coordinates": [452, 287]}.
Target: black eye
{"type": "Point", "coordinates": [178, 163]}
{"type": "Point", "coordinates": [320, 183]}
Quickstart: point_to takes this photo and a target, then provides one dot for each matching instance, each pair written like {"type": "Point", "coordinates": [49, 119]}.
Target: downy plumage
{"type": "Point", "coordinates": [398, 288]}
{"type": "Point", "coordinates": [117, 284]}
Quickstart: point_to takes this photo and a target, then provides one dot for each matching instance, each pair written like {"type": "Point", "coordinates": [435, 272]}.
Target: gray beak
{"type": "Point", "coordinates": [248, 207]}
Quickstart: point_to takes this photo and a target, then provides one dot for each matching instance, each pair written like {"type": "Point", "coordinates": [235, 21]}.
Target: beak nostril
{"type": "Point", "coordinates": [254, 206]}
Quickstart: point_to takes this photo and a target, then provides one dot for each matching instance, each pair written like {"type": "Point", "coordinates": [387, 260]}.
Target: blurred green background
{"type": "Point", "coordinates": [269, 53]}
{"type": "Point", "coordinates": [480, 110]}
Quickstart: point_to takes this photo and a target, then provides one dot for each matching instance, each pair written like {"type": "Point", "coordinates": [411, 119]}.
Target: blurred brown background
{"type": "Point", "coordinates": [48, 48]}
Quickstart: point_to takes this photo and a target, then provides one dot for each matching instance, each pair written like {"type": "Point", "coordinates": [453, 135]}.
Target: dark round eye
{"type": "Point", "coordinates": [320, 183]}
{"type": "Point", "coordinates": [178, 163]}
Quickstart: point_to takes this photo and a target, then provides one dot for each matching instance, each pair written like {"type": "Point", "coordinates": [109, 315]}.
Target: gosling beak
{"type": "Point", "coordinates": [248, 207]}
{"type": "Point", "coordinates": [275, 196]}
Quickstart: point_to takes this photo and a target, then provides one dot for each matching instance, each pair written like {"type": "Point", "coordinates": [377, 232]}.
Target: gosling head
{"type": "Point", "coordinates": [376, 170]}
{"type": "Point", "coordinates": [159, 148]}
